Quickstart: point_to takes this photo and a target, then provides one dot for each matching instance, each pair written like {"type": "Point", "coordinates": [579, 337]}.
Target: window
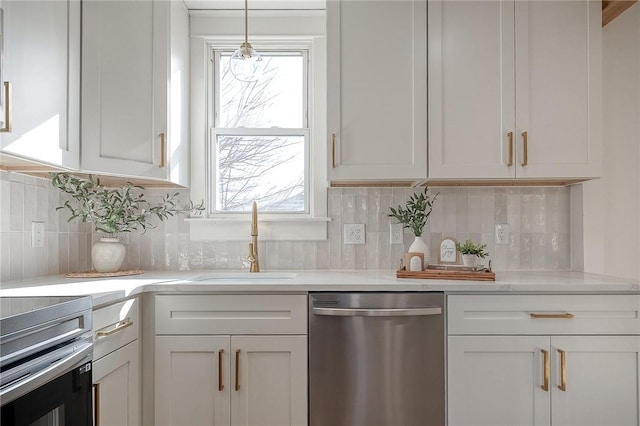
{"type": "Point", "coordinates": [260, 140]}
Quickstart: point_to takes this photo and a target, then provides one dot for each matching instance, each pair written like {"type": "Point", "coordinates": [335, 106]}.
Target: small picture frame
{"type": "Point", "coordinates": [414, 261]}
{"type": "Point", "coordinates": [448, 252]}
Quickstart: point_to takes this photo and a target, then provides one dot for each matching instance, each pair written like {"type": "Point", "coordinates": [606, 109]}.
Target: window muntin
{"type": "Point", "coordinates": [259, 146]}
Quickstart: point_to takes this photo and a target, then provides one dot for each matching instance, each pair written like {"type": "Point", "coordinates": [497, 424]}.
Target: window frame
{"type": "Point", "coordinates": [214, 130]}
{"type": "Point", "coordinates": [273, 226]}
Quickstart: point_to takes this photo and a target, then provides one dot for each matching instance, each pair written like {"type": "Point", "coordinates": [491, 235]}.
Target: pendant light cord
{"type": "Point", "coordinates": [246, 21]}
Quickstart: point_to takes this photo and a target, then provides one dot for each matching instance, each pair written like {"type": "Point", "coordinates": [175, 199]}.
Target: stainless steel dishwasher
{"type": "Point", "coordinates": [376, 359]}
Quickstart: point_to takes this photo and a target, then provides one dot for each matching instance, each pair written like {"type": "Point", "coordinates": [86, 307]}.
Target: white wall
{"type": "Point", "coordinates": [612, 204]}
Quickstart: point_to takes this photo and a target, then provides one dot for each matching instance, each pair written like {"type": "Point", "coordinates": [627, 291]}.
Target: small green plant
{"type": "Point", "coordinates": [115, 210]}
{"type": "Point", "coordinates": [415, 214]}
{"type": "Point", "coordinates": [469, 247]}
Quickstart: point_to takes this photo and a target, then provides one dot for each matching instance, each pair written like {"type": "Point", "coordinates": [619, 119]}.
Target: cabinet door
{"type": "Point", "coordinates": [602, 380]}
{"type": "Point", "coordinates": [271, 386]}
{"type": "Point", "coordinates": [377, 103]}
{"type": "Point", "coordinates": [117, 380]}
{"type": "Point", "coordinates": [497, 380]}
{"type": "Point", "coordinates": [558, 88]}
{"type": "Point", "coordinates": [471, 89]}
{"type": "Point", "coordinates": [41, 62]}
{"type": "Point", "coordinates": [124, 87]}
{"type": "Point", "coordinates": [192, 380]}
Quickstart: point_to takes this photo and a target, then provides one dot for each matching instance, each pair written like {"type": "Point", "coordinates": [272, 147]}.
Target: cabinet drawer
{"type": "Point", "coordinates": [231, 314]}
{"type": "Point", "coordinates": [114, 326]}
{"type": "Point", "coordinates": [544, 314]}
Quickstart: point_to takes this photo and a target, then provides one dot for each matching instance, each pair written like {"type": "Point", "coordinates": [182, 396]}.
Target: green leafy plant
{"type": "Point", "coordinates": [415, 214]}
{"type": "Point", "coordinates": [115, 210]}
{"type": "Point", "coordinates": [469, 247]}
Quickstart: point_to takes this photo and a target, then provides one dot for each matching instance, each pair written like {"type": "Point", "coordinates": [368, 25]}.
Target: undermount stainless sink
{"type": "Point", "coordinates": [244, 276]}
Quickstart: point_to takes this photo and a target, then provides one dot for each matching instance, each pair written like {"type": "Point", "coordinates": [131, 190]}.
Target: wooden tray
{"type": "Point", "coordinates": [95, 274]}
{"type": "Point", "coordinates": [440, 274]}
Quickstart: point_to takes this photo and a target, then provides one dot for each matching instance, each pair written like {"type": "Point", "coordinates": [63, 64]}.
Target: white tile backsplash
{"type": "Point", "coordinates": [538, 219]}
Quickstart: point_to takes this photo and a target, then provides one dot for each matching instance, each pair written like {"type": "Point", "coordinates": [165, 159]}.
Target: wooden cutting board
{"type": "Point", "coordinates": [439, 274]}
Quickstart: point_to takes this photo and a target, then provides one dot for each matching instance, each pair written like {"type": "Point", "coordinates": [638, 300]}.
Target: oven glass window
{"type": "Point", "coordinates": [54, 417]}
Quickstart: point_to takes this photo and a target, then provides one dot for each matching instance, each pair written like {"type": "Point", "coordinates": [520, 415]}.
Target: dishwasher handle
{"type": "Point", "coordinates": [378, 312]}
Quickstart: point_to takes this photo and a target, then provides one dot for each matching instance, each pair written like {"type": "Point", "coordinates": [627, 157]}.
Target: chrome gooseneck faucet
{"type": "Point", "coordinates": [253, 245]}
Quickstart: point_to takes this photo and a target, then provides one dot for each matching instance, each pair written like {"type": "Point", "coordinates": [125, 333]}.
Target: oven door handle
{"type": "Point", "coordinates": [379, 312]}
{"type": "Point", "coordinates": [26, 385]}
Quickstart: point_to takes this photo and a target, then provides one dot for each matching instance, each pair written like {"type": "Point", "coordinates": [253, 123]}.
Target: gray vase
{"type": "Point", "coordinates": [108, 255]}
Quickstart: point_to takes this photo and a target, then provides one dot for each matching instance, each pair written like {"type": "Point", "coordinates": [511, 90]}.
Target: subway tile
{"type": "Point", "coordinates": [16, 206]}
{"type": "Point", "coordinates": [30, 206]}
{"type": "Point", "coordinates": [297, 254]}
{"type": "Point", "coordinates": [323, 253]}
{"type": "Point", "coordinates": [360, 213]}
{"type": "Point", "coordinates": [5, 255]}
{"type": "Point", "coordinates": [53, 258]}
{"type": "Point", "coordinates": [74, 252]}
{"type": "Point", "coordinates": [171, 252]}
{"type": "Point", "coordinates": [146, 252]}
{"type": "Point", "coordinates": [42, 204]}
{"type": "Point", "coordinates": [16, 256]}
{"type": "Point", "coordinates": [195, 254]}
{"type": "Point", "coordinates": [63, 252]}
{"type": "Point", "coordinates": [5, 206]}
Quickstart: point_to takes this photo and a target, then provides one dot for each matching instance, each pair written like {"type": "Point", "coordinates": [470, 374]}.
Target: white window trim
{"type": "Point", "coordinates": [272, 226]}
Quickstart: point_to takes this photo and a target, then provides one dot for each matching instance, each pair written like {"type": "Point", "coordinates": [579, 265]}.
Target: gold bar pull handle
{"type": "Point", "coordinates": [563, 370]}
{"type": "Point", "coordinates": [567, 315]}
{"type": "Point", "coordinates": [545, 384]}
{"type": "Point", "coordinates": [96, 404]}
{"type": "Point", "coordinates": [510, 160]}
{"type": "Point", "coordinates": [525, 150]}
{"type": "Point", "coordinates": [118, 327]}
{"type": "Point", "coordinates": [8, 116]}
{"type": "Point", "coordinates": [238, 370]}
{"type": "Point", "coordinates": [163, 150]}
{"type": "Point", "coordinates": [220, 385]}
{"type": "Point", "coordinates": [333, 150]}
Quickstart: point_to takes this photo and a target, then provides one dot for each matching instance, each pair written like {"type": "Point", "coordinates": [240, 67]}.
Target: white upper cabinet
{"type": "Point", "coordinates": [135, 89]}
{"type": "Point", "coordinates": [377, 94]}
{"type": "Point", "coordinates": [40, 68]}
{"type": "Point", "coordinates": [515, 89]}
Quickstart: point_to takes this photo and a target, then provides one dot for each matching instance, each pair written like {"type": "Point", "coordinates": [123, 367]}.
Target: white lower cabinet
{"type": "Point", "coordinates": [550, 379]}
{"type": "Point", "coordinates": [116, 365]}
{"type": "Point", "coordinates": [117, 387]}
{"type": "Point", "coordinates": [258, 378]}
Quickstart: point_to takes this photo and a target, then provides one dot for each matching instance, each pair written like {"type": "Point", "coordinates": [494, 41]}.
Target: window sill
{"type": "Point", "coordinates": [269, 228]}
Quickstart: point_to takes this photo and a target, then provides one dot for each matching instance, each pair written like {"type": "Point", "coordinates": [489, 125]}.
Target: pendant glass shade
{"type": "Point", "coordinates": [246, 64]}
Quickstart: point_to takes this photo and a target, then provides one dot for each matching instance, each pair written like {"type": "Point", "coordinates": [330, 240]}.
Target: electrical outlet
{"type": "Point", "coordinates": [37, 234]}
{"type": "Point", "coordinates": [502, 234]}
{"type": "Point", "coordinates": [396, 234]}
{"type": "Point", "coordinates": [354, 233]}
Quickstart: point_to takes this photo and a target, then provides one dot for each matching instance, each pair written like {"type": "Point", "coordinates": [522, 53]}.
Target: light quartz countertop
{"type": "Point", "coordinates": [107, 290]}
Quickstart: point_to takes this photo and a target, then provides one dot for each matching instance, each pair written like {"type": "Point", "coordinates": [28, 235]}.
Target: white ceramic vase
{"type": "Point", "coordinates": [108, 255]}
{"type": "Point", "coordinates": [420, 246]}
{"type": "Point", "coordinates": [469, 259]}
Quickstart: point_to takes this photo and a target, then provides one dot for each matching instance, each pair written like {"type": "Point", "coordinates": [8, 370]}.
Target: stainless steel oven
{"type": "Point", "coordinates": [45, 361]}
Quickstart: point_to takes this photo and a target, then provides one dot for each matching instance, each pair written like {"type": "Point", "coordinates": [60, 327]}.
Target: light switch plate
{"type": "Point", "coordinates": [354, 233]}
{"type": "Point", "coordinates": [502, 234]}
{"type": "Point", "coordinates": [37, 234]}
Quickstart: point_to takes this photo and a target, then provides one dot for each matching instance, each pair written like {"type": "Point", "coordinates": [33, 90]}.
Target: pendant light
{"type": "Point", "coordinates": [246, 64]}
